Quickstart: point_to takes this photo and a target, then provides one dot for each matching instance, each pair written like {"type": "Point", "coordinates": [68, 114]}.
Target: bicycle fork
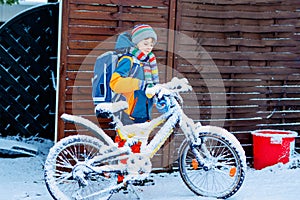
{"type": "Point", "coordinates": [201, 160]}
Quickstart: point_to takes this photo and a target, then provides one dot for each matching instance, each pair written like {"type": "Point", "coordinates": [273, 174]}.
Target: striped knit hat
{"type": "Point", "coordinates": [141, 32]}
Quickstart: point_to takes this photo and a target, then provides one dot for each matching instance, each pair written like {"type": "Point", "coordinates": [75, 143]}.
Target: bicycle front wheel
{"type": "Point", "coordinates": [62, 159]}
{"type": "Point", "coordinates": [221, 172]}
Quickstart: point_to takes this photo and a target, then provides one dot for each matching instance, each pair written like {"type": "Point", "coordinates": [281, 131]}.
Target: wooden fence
{"type": "Point", "coordinates": [241, 57]}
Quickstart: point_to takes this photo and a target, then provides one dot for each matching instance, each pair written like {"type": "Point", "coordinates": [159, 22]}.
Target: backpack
{"type": "Point", "coordinates": [104, 68]}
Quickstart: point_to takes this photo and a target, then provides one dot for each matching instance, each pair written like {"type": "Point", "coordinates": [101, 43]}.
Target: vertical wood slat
{"type": "Point", "coordinates": [170, 147]}
{"type": "Point", "coordinates": [171, 40]}
{"type": "Point", "coordinates": [64, 43]}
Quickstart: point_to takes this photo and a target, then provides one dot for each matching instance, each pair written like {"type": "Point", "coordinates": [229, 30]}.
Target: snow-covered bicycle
{"type": "Point", "coordinates": [212, 162]}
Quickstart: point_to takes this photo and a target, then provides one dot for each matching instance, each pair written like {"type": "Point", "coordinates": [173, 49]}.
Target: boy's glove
{"type": "Point", "coordinates": [162, 105]}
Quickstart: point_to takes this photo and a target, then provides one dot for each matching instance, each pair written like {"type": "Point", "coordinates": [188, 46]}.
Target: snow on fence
{"type": "Point", "coordinates": [254, 44]}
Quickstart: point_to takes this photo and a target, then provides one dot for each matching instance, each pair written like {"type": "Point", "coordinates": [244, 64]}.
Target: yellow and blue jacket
{"type": "Point", "coordinates": [126, 80]}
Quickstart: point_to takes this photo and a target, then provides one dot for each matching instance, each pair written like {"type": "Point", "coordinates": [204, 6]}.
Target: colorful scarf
{"type": "Point", "coordinates": [149, 65]}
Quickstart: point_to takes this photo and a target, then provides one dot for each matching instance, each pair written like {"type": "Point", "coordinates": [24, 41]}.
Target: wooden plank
{"type": "Point", "coordinates": [60, 129]}
{"type": "Point", "coordinates": [256, 70]}
{"type": "Point", "coordinates": [92, 22]}
{"type": "Point", "coordinates": [272, 76]}
{"type": "Point", "coordinates": [285, 114]}
{"type": "Point", "coordinates": [151, 17]}
{"type": "Point", "coordinates": [154, 3]}
{"type": "Point", "coordinates": [148, 10]}
{"type": "Point", "coordinates": [242, 55]}
{"type": "Point", "coordinates": [171, 41]}
{"type": "Point", "coordinates": [78, 7]}
{"type": "Point", "coordinates": [200, 5]}
{"type": "Point", "coordinates": [231, 22]}
{"type": "Point", "coordinates": [230, 14]}
{"type": "Point", "coordinates": [272, 71]}
{"type": "Point", "coordinates": [237, 27]}
{"type": "Point", "coordinates": [88, 30]}
{"type": "Point", "coordinates": [242, 2]}
{"type": "Point", "coordinates": [272, 42]}
{"type": "Point", "coordinates": [236, 42]}
{"type": "Point", "coordinates": [83, 38]}
{"type": "Point", "coordinates": [81, 105]}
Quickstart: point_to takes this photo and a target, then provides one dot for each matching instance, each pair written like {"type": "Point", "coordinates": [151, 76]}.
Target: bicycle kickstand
{"type": "Point", "coordinates": [132, 192]}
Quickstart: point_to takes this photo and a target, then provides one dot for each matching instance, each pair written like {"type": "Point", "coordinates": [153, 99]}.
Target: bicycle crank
{"type": "Point", "coordinates": [138, 167]}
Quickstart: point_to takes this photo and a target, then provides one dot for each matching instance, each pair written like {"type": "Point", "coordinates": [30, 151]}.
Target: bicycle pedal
{"type": "Point", "coordinates": [125, 190]}
{"type": "Point", "coordinates": [145, 182]}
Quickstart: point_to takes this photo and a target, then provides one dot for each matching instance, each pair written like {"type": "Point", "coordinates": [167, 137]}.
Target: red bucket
{"type": "Point", "coordinates": [272, 146]}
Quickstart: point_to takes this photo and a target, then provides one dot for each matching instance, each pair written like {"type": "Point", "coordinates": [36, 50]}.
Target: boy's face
{"type": "Point", "coordinates": [146, 45]}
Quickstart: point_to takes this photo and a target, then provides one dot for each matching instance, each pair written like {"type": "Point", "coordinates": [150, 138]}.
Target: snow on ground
{"type": "Point", "coordinates": [22, 179]}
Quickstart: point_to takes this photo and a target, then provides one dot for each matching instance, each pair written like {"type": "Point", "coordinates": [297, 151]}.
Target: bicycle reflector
{"type": "Point", "coordinates": [232, 171]}
{"type": "Point", "coordinates": [195, 164]}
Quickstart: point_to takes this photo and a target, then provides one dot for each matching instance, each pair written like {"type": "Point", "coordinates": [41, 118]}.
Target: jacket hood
{"type": "Point", "coordinates": [124, 41]}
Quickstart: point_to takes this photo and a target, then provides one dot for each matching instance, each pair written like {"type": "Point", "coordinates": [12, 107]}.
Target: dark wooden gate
{"type": "Point", "coordinates": [28, 59]}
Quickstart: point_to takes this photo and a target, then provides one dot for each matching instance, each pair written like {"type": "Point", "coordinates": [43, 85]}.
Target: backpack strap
{"type": "Point", "coordinates": [131, 71]}
{"type": "Point", "coordinates": [133, 60]}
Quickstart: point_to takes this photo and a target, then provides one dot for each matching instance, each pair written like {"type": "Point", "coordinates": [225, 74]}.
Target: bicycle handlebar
{"type": "Point", "coordinates": [175, 85]}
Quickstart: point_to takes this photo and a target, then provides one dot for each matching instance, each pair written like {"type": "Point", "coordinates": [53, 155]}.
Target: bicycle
{"type": "Point", "coordinates": [212, 162]}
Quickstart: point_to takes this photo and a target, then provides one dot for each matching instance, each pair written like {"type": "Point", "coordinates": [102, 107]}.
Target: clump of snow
{"type": "Point", "coordinates": [275, 133]}
{"type": "Point", "coordinates": [178, 85]}
{"type": "Point", "coordinates": [16, 148]}
{"type": "Point", "coordinates": [111, 107]}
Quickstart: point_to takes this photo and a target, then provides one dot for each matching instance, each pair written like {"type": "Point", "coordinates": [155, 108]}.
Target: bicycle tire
{"type": "Point", "coordinates": [227, 174]}
{"type": "Point", "coordinates": [63, 156]}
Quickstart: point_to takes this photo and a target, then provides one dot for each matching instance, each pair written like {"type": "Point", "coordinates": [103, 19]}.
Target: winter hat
{"type": "Point", "coordinates": [141, 32]}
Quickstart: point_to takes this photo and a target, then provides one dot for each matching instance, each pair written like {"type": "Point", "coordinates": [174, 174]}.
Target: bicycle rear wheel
{"type": "Point", "coordinates": [224, 167]}
{"type": "Point", "coordinates": [59, 165]}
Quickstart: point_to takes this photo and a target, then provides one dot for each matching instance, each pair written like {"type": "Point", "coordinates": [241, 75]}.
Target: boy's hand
{"type": "Point", "coordinates": [151, 91]}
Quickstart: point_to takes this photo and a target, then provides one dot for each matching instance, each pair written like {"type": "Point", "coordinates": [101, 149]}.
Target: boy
{"type": "Point", "coordinates": [137, 70]}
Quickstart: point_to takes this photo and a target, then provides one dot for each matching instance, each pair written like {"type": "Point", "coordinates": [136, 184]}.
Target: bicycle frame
{"type": "Point", "coordinates": [141, 131]}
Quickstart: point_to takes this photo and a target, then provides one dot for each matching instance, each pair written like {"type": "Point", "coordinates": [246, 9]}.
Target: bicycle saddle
{"type": "Point", "coordinates": [106, 109]}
